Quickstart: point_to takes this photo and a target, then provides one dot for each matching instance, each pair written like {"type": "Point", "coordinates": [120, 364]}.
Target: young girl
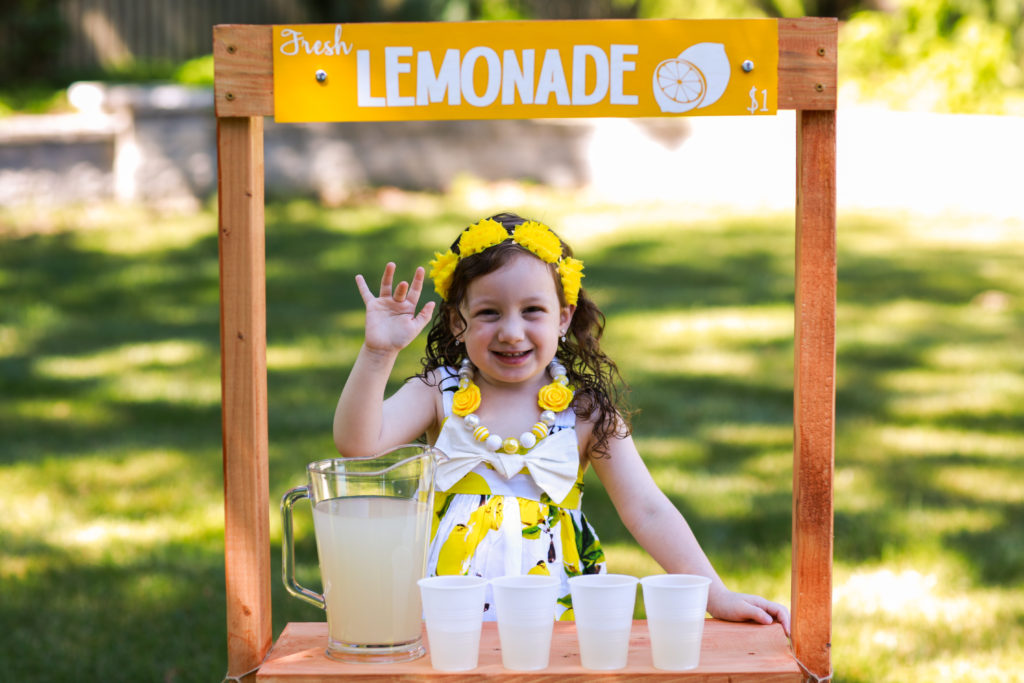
{"type": "Point", "coordinates": [517, 392]}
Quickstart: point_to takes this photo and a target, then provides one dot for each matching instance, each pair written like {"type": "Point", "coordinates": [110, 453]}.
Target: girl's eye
{"type": "Point", "coordinates": [534, 309]}
{"type": "Point", "coordinates": [486, 313]}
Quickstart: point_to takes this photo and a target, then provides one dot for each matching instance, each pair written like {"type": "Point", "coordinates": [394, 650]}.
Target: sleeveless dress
{"type": "Point", "coordinates": [495, 519]}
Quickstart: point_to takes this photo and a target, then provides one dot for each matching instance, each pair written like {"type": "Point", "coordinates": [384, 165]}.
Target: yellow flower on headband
{"type": "Point", "coordinates": [570, 270]}
{"type": "Point", "coordinates": [540, 240]}
{"type": "Point", "coordinates": [441, 270]}
{"type": "Point", "coordinates": [535, 237]}
{"type": "Point", "coordinates": [483, 235]}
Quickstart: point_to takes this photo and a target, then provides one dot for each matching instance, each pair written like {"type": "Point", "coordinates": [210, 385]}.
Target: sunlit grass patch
{"type": "Point", "coordinates": [42, 410]}
{"type": "Point", "coordinates": [937, 380]}
{"type": "Point", "coordinates": [624, 558]}
{"type": "Point", "coordinates": [732, 327]}
{"type": "Point", "coordinates": [678, 451]}
{"type": "Point", "coordinates": [984, 484]}
{"type": "Point", "coordinates": [856, 490]}
{"type": "Point", "coordinates": [105, 510]}
{"type": "Point", "coordinates": [132, 484]}
{"type": "Point", "coordinates": [716, 495]}
{"type": "Point", "coordinates": [895, 624]}
{"type": "Point", "coordinates": [167, 353]}
{"type": "Point", "coordinates": [937, 441]}
{"type": "Point", "coordinates": [751, 434]}
{"type": "Point", "coordinates": [750, 345]}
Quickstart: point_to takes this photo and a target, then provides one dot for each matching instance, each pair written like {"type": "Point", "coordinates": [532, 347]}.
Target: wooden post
{"type": "Point", "coordinates": [243, 342]}
{"type": "Point", "coordinates": [814, 389]}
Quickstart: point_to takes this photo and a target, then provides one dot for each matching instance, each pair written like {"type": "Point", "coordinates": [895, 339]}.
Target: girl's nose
{"type": "Point", "coordinates": [511, 329]}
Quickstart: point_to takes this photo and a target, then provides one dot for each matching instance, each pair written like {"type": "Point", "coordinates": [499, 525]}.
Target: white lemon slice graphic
{"type": "Point", "coordinates": [680, 81]}
{"type": "Point", "coordinates": [695, 79]}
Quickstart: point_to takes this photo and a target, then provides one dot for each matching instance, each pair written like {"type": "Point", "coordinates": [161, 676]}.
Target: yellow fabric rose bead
{"type": "Point", "coordinates": [570, 270]}
{"type": "Point", "coordinates": [466, 400]}
{"type": "Point", "coordinates": [442, 267]}
{"type": "Point", "coordinates": [555, 396]}
{"type": "Point", "coordinates": [481, 236]}
{"type": "Point", "coordinates": [539, 239]}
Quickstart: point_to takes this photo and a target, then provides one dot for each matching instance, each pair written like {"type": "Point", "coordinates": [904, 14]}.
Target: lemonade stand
{"type": "Point", "coordinates": [502, 70]}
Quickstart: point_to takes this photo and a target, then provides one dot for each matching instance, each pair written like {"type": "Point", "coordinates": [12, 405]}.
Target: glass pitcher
{"type": "Point", "coordinates": [372, 519]}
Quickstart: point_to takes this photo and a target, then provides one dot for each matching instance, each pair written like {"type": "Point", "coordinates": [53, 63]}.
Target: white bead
{"type": "Point", "coordinates": [472, 421]}
{"type": "Point", "coordinates": [547, 417]}
{"type": "Point", "coordinates": [466, 362]}
{"type": "Point", "coordinates": [493, 442]}
{"type": "Point", "coordinates": [465, 372]}
{"type": "Point", "coordinates": [528, 439]}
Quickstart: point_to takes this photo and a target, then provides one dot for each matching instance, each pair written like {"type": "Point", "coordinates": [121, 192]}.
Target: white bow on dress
{"type": "Point", "coordinates": [553, 462]}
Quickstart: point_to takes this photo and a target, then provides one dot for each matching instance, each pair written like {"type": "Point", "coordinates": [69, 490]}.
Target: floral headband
{"type": "Point", "coordinates": [535, 237]}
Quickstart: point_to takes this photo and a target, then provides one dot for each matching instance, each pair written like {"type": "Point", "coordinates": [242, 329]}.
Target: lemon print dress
{"type": "Point", "coordinates": [499, 515]}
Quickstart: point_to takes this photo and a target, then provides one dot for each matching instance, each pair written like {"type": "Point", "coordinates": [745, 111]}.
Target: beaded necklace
{"type": "Point", "coordinates": [552, 398]}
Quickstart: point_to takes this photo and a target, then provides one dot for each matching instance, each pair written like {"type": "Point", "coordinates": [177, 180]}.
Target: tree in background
{"type": "Point", "coordinates": [943, 55]}
{"type": "Point", "coordinates": [939, 55]}
{"type": "Point", "coordinates": [30, 35]}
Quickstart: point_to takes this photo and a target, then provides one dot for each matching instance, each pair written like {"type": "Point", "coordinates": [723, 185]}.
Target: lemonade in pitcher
{"type": "Point", "coordinates": [372, 519]}
{"type": "Point", "coordinates": [372, 550]}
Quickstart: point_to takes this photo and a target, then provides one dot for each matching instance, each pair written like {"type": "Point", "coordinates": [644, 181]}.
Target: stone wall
{"type": "Point", "coordinates": [157, 145]}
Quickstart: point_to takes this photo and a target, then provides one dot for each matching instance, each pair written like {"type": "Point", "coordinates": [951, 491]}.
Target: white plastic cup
{"type": "Point", "coordinates": [525, 607]}
{"type": "Point", "coordinates": [675, 605]}
{"type": "Point", "coordinates": [603, 606]}
{"type": "Point", "coordinates": [453, 608]}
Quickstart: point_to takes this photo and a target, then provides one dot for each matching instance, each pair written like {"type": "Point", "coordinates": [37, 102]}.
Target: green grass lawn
{"type": "Point", "coordinates": [111, 558]}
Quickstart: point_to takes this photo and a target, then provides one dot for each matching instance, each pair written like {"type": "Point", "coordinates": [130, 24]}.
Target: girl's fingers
{"type": "Point", "coordinates": [767, 612]}
{"type": "Point", "coordinates": [403, 291]}
{"type": "Point", "coordinates": [364, 290]}
{"type": "Point", "coordinates": [387, 279]}
{"type": "Point", "coordinates": [417, 285]}
{"type": "Point", "coordinates": [423, 317]}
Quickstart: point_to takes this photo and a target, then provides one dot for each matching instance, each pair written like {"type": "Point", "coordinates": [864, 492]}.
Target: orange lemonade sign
{"type": "Point", "coordinates": [525, 69]}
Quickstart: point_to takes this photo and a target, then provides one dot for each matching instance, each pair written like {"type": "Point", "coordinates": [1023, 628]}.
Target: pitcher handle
{"type": "Point", "coordinates": [288, 550]}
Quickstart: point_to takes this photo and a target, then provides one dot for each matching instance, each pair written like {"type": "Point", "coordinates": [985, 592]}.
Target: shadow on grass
{"type": "Point", "coordinates": [77, 388]}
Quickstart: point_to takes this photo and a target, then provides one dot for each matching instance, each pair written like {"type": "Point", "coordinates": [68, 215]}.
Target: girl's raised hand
{"type": "Point", "coordinates": [391, 318]}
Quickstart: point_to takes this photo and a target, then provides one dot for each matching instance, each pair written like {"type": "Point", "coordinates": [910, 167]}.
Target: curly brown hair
{"type": "Point", "coordinates": [599, 387]}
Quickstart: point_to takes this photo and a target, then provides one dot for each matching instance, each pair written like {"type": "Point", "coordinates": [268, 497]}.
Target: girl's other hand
{"type": "Point", "coordinates": [741, 607]}
{"type": "Point", "coordinates": [391, 318]}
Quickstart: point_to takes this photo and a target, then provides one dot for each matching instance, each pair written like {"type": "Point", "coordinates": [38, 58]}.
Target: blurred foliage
{"type": "Point", "coordinates": [198, 71]}
{"type": "Point", "coordinates": [31, 99]}
{"type": "Point", "coordinates": [938, 55]}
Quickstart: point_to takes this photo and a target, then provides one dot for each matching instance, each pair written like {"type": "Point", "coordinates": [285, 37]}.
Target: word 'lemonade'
{"type": "Point", "coordinates": [411, 79]}
{"type": "Point", "coordinates": [372, 551]}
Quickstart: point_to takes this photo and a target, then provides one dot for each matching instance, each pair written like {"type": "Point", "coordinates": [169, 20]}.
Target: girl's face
{"type": "Point", "coordinates": [514, 320]}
